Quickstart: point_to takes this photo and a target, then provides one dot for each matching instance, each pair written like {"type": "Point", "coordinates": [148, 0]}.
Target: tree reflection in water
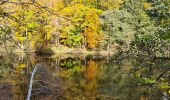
{"type": "Point", "coordinates": [88, 78]}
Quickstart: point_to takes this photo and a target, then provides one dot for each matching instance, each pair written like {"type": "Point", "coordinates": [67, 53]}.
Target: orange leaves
{"type": "Point", "coordinates": [86, 20]}
{"type": "Point", "coordinates": [91, 38]}
{"type": "Point", "coordinates": [91, 71]}
{"type": "Point", "coordinates": [91, 74]}
{"type": "Point", "coordinates": [91, 25]}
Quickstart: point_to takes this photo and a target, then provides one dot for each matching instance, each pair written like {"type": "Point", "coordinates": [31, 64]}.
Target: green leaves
{"type": "Point", "coordinates": [147, 81]}
{"type": "Point", "coordinates": [118, 25]}
{"type": "Point", "coordinates": [70, 63]}
{"type": "Point", "coordinates": [83, 28]}
{"type": "Point", "coordinates": [164, 85]}
{"type": "Point", "coordinates": [5, 31]}
{"type": "Point", "coordinates": [71, 37]}
{"type": "Point", "coordinates": [159, 13]}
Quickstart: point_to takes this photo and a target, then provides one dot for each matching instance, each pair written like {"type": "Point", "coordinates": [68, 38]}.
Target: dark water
{"type": "Point", "coordinates": [80, 77]}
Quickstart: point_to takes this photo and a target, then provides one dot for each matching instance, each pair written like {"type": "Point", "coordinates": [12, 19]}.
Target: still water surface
{"type": "Point", "coordinates": [80, 77]}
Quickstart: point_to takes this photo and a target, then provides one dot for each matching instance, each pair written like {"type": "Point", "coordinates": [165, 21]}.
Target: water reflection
{"type": "Point", "coordinates": [82, 77]}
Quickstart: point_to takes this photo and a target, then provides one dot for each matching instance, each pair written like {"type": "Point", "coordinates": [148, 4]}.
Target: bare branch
{"type": "Point", "coordinates": [3, 2]}
{"type": "Point", "coordinates": [5, 14]}
{"type": "Point", "coordinates": [47, 9]}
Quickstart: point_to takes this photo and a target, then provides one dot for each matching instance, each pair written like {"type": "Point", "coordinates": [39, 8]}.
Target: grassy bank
{"type": "Point", "coordinates": [60, 50]}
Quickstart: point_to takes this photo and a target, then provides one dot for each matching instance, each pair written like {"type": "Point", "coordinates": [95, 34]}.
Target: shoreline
{"type": "Point", "coordinates": [61, 50]}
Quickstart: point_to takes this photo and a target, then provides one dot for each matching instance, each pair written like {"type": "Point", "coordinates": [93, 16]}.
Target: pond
{"type": "Point", "coordinates": [84, 77]}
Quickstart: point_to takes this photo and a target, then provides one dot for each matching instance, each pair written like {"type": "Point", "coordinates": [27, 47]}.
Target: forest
{"type": "Point", "coordinates": [85, 39]}
{"type": "Point", "coordinates": [93, 25]}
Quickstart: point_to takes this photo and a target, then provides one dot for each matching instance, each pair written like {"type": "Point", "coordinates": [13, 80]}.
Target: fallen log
{"type": "Point", "coordinates": [31, 82]}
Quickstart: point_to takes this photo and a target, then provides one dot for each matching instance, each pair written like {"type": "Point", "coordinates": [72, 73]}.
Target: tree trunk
{"type": "Point", "coordinates": [108, 48]}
